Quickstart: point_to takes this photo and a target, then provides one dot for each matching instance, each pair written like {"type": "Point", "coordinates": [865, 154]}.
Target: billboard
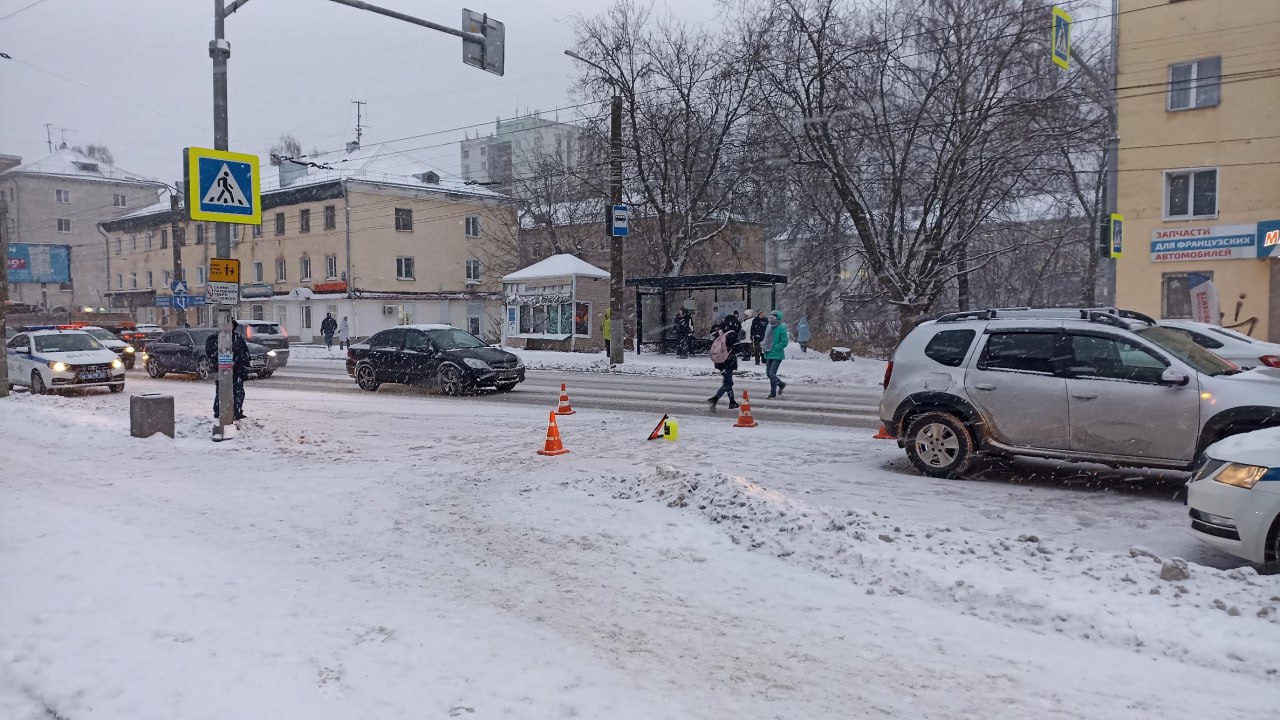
{"type": "Point", "coordinates": [30, 263]}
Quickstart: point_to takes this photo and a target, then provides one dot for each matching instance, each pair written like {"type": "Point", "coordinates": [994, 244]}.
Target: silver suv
{"type": "Point", "coordinates": [1094, 385]}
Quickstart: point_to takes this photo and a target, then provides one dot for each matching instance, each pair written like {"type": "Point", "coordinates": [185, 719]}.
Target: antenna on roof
{"type": "Point", "coordinates": [64, 131]}
{"type": "Point", "coordinates": [359, 126]}
{"type": "Point", "coordinates": [48, 136]}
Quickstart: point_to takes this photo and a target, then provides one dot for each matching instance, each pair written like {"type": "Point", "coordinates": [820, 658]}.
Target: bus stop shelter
{"type": "Point", "coordinates": [708, 297]}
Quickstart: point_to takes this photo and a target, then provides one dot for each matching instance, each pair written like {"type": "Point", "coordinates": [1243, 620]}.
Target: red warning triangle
{"type": "Point", "coordinates": [657, 432]}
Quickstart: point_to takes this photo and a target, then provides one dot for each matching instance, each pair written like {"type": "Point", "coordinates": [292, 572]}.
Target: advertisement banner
{"type": "Point", "coordinates": [1204, 298]}
{"type": "Point", "coordinates": [1269, 239]}
{"type": "Point", "coordinates": [1218, 242]}
{"type": "Point", "coordinates": [39, 263]}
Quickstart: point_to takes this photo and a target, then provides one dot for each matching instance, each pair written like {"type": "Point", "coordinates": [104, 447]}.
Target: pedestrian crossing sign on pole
{"type": "Point", "coordinates": [1060, 38]}
{"type": "Point", "coordinates": [222, 186]}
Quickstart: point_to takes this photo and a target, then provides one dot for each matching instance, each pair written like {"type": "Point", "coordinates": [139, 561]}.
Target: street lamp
{"type": "Point", "coordinates": [616, 279]}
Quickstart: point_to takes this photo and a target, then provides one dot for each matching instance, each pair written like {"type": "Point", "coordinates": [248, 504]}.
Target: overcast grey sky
{"type": "Point", "coordinates": [135, 74]}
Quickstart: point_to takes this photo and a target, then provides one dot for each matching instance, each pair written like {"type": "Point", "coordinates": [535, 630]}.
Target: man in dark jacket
{"type": "Point", "coordinates": [759, 326]}
{"type": "Point", "coordinates": [239, 373]}
{"type": "Point", "coordinates": [684, 333]}
{"type": "Point", "coordinates": [328, 327]}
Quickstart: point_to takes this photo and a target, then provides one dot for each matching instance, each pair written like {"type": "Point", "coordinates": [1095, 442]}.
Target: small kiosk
{"type": "Point", "coordinates": [556, 304]}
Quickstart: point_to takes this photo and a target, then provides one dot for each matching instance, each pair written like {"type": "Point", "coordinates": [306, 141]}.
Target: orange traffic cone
{"type": "Point", "coordinates": [744, 413]}
{"type": "Point", "coordinates": [553, 446]}
{"type": "Point", "coordinates": [565, 408]}
{"type": "Point", "coordinates": [882, 434]}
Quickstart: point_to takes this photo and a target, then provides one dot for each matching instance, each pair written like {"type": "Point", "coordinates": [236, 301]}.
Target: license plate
{"type": "Point", "coordinates": [258, 363]}
{"type": "Point", "coordinates": [508, 376]}
{"type": "Point", "coordinates": [93, 375]}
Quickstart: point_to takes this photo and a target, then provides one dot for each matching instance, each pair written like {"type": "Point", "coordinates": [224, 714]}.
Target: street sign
{"type": "Point", "coordinates": [178, 287]}
{"type": "Point", "coordinates": [222, 186]}
{"type": "Point", "coordinates": [224, 270]}
{"type": "Point", "coordinates": [489, 55]}
{"type": "Point", "coordinates": [180, 301]}
{"type": "Point", "coordinates": [621, 221]}
{"type": "Point", "coordinates": [1117, 235]}
{"type": "Point", "coordinates": [222, 293]}
{"type": "Point", "coordinates": [1060, 38]}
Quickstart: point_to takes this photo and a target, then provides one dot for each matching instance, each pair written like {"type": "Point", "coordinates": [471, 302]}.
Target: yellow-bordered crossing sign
{"type": "Point", "coordinates": [1060, 38]}
{"type": "Point", "coordinates": [222, 186]}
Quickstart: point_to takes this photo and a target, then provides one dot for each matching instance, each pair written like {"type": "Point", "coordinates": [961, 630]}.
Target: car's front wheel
{"type": "Point", "coordinates": [117, 387]}
{"type": "Point", "coordinates": [129, 361]}
{"type": "Point", "coordinates": [154, 369]}
{"type": "Point", "coordinates": [367, 377]}
{"type": "Point", "coordinates": [266, 373]}
{"type": "Point", "coordinates": [450, 380]}
{"type": "Point", "coordinates": [939, 444]}
{"type": "Point", "coordinates": [204, 369]}
{"type": "Point", "coordinates": [37, 384]}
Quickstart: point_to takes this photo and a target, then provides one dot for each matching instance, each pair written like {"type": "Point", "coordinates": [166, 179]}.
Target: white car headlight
{"type": "Point", "coordinates": [56, 366]}
{"type": "Point", "coordinates": [1242, 476]}
{"type": "Point", "coordinates": [129, 349]}
{"type": "Point", "coordinates": [476, 363]}
{"type": "Point", "coordinates": [271, 353]}
{"type": "Point", "coordinates": [117, 364]}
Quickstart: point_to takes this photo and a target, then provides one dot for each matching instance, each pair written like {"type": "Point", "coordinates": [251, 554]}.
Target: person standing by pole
{"type": "Point", "coordinates": [607, 328]}
{"type": "Point", "coordinates": [775, 342]}
{"type": "Point", "coordinates": [328, 327]}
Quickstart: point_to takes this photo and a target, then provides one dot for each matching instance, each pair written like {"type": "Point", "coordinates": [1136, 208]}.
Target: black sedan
{"type": "Point", "coordinates": [182, 351]}
{"type": "Point", "coordinates": [453, 360]}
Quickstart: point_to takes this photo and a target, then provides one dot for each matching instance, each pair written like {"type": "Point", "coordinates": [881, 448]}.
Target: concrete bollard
{"type": "Point", "coordinates": [149, 414]}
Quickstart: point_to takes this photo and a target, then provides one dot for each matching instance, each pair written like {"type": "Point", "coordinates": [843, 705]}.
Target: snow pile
{"type": "Point", "coordinates": [1138, 601]}
{"type": "Point", "coordinates": [812, 367]}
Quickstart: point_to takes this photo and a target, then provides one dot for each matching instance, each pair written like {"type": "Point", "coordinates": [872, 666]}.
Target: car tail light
{"type": "Point", "coordinates": [248, 331]}
{"type": "Point", "coordinates": [1272, 361]}
{"type": "Point", "coordinates": [283, 331]}
{"type": "Point", "coordinates": [351, 355]}
{"type": "Point", "coordinates": [888, 373]}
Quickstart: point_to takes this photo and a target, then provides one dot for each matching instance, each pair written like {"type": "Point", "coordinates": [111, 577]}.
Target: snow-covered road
{"type": "Point", "coordinates": [354, 555]}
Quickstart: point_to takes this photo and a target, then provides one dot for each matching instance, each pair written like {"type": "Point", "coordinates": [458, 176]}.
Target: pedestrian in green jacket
{"type": "Point", "coordinates": [773, 345]}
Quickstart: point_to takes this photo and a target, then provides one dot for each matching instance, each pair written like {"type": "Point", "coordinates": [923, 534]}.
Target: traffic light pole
{"type": "Point", "coordinates": [489, 56]}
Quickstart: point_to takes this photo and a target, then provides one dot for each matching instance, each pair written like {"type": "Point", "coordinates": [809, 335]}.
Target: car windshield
{"type": "Point", "coordinates": [66, 342]}
{"type": "Point", "coordinates": [1181, 346]}
{"type": "Point", "coordinates": [101, 334]}
{"type": "Point", "coordinates": [264, 328]}
{"type": "Point", "coordinates": [455, 339]}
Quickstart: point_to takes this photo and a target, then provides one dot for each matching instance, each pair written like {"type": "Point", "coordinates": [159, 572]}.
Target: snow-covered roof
{"type": "Point", "coordinates": [556, 266]}
{"type": "Point", "coordinates": [159, 207]}
{"type": "Point", "coordinates": [70, 163]}
{"type": "Point", "coordinates": [379, 163]}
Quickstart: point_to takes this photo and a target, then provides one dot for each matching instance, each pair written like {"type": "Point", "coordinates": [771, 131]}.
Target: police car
{"type": "Point", "coordinates": [1234, 497]}
{"type": "Point", "coordinates": [48, 360]}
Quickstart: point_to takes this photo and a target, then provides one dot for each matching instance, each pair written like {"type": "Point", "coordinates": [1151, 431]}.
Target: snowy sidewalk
{"type": "Point", "coordinates": [366, 556]}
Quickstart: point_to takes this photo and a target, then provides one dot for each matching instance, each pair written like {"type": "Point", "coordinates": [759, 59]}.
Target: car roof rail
{"type": "Point", "coordinates": [1105, 318]}
{"type": "Point", "coordinates": [1135, 315]}
{"type": "Point", "coordinates": [967, 315]}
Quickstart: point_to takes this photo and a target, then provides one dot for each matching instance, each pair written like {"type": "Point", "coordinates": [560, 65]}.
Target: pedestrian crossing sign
{"type": "Point", "coordinates": [222, 186]}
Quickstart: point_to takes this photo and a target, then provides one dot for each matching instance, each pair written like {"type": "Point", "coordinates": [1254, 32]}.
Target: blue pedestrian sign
{"type": "Point", "coordinates": [621, 221]}
{"type": "Point", "coordinates": [178, 287]}
{"type": "Point", "coordinates": [222, 186]}
{"type": "Point", "coordinates": [1060, 38]}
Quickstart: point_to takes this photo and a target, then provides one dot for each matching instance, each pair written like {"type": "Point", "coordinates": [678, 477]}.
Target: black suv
{"type": "Point", "coordinates": [182, 351]}
{"type": "Point", "coordinates": [453, 360]}
{"type": "Point", "coordinates": [269, 335]}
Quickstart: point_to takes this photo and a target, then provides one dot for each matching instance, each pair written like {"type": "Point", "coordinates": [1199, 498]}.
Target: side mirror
{"type": "Point", "coordinates": [1174, 377]}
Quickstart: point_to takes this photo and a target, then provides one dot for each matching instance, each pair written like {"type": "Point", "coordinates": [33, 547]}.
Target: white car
{"type": "Point", "coordinates": [1235, 497]}
{"type": "Point", "coordinates": [1237, 347]}
{"type": "Point", "coordinates": [51, 360]}
{"type": "Point", "coordinates": [122, 349]}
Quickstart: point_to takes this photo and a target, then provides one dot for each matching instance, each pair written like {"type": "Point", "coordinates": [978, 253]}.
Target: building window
{"type": "Point", "coordinates": [280, 270]}
{"type": "Point", "coordinates": [133, 243]}
{"type": "Point", "coordinates": [404, 268]}
{"type": "Point", "coordinates": [64, 225]}
{"type": "Point", "coordinates": [117, 200]}
{"type": "Point", "coordinates": [164, 239]}
{"type": "Point", "coordinates": [473, 270]}
{"type": "Point", "coordinates": [62, 196]}
{"type": "Point", "coordinates": [330, 217]}
{"type": "Point", "coordinates": [256, 311]}
{"type": "Point", "coordinates": [482, 149]}
{"type": "Point", "coordinates": [257, 230]}
{"type": "Point", "coordinates": [147, 240]}
{"type": "Point", "coordinates": [150, 280]}
{"type": "Point", "coordinates": [466, 154]}
{"type": "Point", "coordinates": [404, 220]}
{"type": "Point", "coordinates": [1195, 84]}
{"type": "Point", "coordinates": [167, 278]}
{"type": "Point", "coordinates": [200, 234]}
{"type": "Point", "coordinates": [304, 221]}
{"type": "Point", "coordinates": [1175, 294]}
{"type": "Point", "coordinates": [119, 281]}
{"type": "Point", "coordinates": [279, 223]}
{"type": "Point", "coordinates": [200, 275]}
{"type": "Point", "coordinates": [1191, 194]}
{"type": "Point", "coordinates": [119, 245]}
{"type": "Point", "coordinates": [306, 317]}
{"type": "Point", "coordinates": [257, 271]}
{"type": "Point", "coordinates": [304, 269]}
{"type": "Point", "coordinates": [331, 267]}
{"type": "Point", "coordinates": [473, 226]}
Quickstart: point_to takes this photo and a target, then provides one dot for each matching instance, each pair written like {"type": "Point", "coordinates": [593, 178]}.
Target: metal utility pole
{"type": "Point", "coordinates": [179, 313]}
{"type": "Point", "coordinates": [483, 46]}
{"type": "Point", "coordinates": [617, 279]}
{"type": "Point", "coordinates": [4, 286]}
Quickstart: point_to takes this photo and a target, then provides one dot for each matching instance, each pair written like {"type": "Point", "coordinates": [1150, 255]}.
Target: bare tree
{"type": "Point", "coordinates": [287, 147]}
{"type": "Point", "coordinates": [101, 153]}
{"type": "Point", "coordinates": [921, 114]}
{"type": "Point", "coordinates": [687, 98]}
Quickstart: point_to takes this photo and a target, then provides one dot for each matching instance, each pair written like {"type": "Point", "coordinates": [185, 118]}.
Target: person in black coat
{"type": "Point", "coordinates": [240, 367]}
{"type": "Point", "coordinates": [328, 327]}
{"type": "Point", "coordinates": [684, 333]}
{"type": "Point", "coordinates": [759, 326]}
{"type": "Point", "coordinates": [726, 367]}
